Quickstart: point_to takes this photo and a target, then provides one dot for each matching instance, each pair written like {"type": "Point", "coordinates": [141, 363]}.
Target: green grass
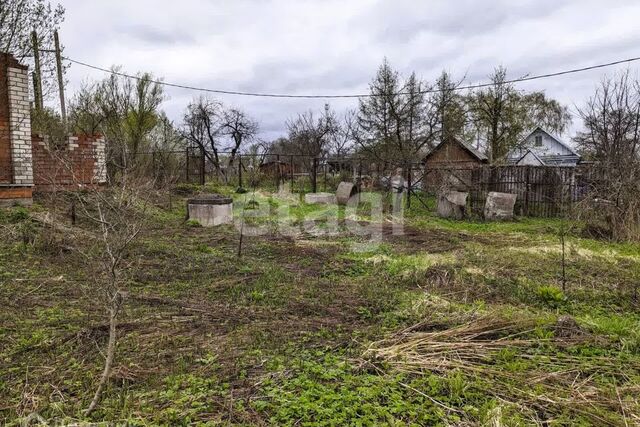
{"type": "Point", "coordinates": [281, 335]}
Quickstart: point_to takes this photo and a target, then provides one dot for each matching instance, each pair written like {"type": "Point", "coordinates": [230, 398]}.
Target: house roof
{"type": "Point", "coordinates": [569, 160]}
{"type": "Point", "coordinates": [558, 140]}
{"type": "Point", "coordinates": [467, 147]}
{"type": "Point", "coordinates": [533, 154]}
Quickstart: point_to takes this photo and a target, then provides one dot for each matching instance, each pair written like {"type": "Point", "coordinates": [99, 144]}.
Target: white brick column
{"type": "Point", "coordinates": [20, 126]}
{"type": "Point", "coordinates": [100, 165]}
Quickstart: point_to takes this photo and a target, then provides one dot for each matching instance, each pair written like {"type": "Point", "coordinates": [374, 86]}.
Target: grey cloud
{"type": "Point", "coordinates": [152, 35]}
{"type": "Point", "coordinates": [332, 46]}
{"type": "Point", "coordinates": [405, 20]}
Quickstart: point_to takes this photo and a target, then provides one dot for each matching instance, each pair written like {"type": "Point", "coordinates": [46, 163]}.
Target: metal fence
{"type": "Point", "coordinates": [301, 173]}
{"type": "Point", "coordinates": [542, 191]}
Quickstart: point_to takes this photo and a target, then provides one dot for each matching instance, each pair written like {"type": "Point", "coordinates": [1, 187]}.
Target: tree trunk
{"type": "Point", "coordinates": [111, 349]}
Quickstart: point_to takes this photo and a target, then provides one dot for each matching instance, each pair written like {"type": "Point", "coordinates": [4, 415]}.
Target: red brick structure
{"type": "Point", "coordinates": [27, 162]}
{"type": "Point", "coordinates": [72, 166]}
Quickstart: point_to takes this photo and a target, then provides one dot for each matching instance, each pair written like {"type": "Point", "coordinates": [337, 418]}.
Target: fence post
{"type": "Point", "coordinates": [279, 171]}
{"type": "Point", "coordinates": [314, 176]}
{"type": "Point", "coordinates": [239, 170]}
{"type": "Point", "coordinates": [325, 175]}
{"type": "Point", "coordinates": [202, 166]}
{"type": "Point", "coordinates": [186, 152]}
{"type": "Point", "coordinates": [526, 191]}
{"type": "Point", "coordinates": [291, 171]}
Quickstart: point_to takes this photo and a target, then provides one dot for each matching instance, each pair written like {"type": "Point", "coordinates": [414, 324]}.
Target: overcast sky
{"type": "Point", "coordinates": [319, 47]}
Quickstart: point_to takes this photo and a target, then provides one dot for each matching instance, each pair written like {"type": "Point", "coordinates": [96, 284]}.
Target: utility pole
{"type": "Point", "coordinates": [37, 75]}
{"type": "Point", "coordinates": [63, 107]}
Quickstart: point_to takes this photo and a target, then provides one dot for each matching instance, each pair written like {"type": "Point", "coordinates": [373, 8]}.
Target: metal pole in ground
{"type": "Point", "coordinates": [239, 170]}
{"type": "Point", "coordinates": [314, 176]}
{"type": "Point", "coordinates": [186, 152]}
{"type": "Point", "coordinates": [202, 166]}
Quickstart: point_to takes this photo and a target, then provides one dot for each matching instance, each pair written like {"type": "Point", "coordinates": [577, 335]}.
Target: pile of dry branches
{"type": "Point", "coordinates": [552, 382]}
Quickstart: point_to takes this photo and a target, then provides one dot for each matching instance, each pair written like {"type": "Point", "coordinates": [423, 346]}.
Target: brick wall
{"type": "Point", "coordinates": [27, 163]}
{"type": "Point", "coordinates": [20, 125]}
{"type": "Point", "coordinates": [78, 164]}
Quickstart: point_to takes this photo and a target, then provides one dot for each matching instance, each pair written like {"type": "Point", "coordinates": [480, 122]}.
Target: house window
{"type": "Point", "coordinates": [538, 140]}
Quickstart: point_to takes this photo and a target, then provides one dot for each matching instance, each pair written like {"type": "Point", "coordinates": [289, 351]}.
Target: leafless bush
{"type": "Point", "coordinates": [111, 217]}
{"type": "Point", "coordinates": [116, 216]}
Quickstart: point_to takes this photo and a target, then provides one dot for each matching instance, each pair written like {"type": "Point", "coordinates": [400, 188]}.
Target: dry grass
{"type": "Point", "coordinates": [543, 380]}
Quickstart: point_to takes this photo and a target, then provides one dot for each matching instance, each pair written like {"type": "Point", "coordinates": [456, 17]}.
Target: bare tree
{"type": "Point", "coordinates": [17, 19]}
{"type": "Point", "coordinates": [113, 216]}
{"type": "Point", "coordinates": [309, 135]}
{"type": "Point", "coordinates": [201, 127]}
{"type": "Point", "coordinates": [216, 131]}
{"type": "Point", "coordinates": [502, 114]}
{"type": "Point", "coordinates": [611, 138]}
{"type": "Point", "coordinates": [239, 128]}
{"type": "Point", "coordinates": [342, 140]}
{"type": "Point", "coordinates": [497, 110]}
{"type": "Point", "coordinates": [117, 215]}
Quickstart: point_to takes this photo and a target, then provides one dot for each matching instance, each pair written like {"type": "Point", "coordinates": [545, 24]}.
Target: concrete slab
{"type": "Point", "coordinates": [319, 198]}
{"type": "Point", "coordinates": [499, 206]}
{"type": "Point", "coordinates": [344, 192]}
{"type": "Point", "coordinates": [452, 204]}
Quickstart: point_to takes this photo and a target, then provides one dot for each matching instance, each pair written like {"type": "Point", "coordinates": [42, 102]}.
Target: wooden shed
{"type": "Point", "coordinates": [450, 164]}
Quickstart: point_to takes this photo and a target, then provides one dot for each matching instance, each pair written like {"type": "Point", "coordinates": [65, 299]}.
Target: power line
{"type": "Point", "coordinates": [334, 96]}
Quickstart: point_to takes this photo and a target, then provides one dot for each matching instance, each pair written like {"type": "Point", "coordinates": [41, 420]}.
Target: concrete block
{"type": "Point", "coordinates": [211, 210]}
{"type": "Point", "coordinates": [344, 192]}
{"type": "Point", "coordinates": [319, 198]}
{"type": "Point", "coordinates": [499, 206]}
{"type": "Point", "coordinates": [452, 204]}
